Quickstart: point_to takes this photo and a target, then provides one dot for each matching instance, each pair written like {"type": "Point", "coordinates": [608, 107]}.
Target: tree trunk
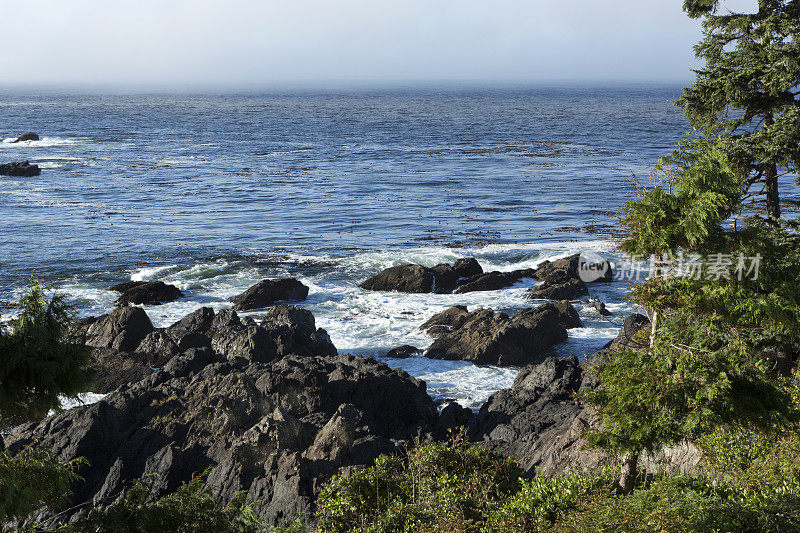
{"type": "Point", "coordinates": [771, 181]}
{"type": "Point", "coordinates": [629, 472]}
{"type": "Point", "coordinates": [771, 186]}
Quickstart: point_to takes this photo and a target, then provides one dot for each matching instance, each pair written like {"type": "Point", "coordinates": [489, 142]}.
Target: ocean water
{"type": "Point", "coordinates": [214, 193]}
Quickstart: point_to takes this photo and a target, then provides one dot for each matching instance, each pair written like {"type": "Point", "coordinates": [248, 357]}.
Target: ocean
{"type": "Point", "coordinates": [215, 192]}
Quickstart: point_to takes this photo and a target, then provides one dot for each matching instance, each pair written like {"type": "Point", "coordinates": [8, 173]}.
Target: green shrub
{"type": "Point", "coordinates": [451, 486]}
{"type": "Point", "coordinates": [190, 509]}
{"type": "Point", "coordinates": [32, 479]}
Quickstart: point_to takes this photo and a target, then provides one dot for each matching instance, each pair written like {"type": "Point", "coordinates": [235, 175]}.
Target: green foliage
{"type": "Point", "coordinates": [542, 502]}
{"type": "Point", "coordinates": [746, 94]}
{"type": "Point", "coordinates": [190, 509]}
{"type": "Point", "coordinates": [682, 503]}
{"type": "Point", "coordinates": [696, 377]}
{"type": "Point", "coordinates": [38, 361]}
{"type": "Point", "coordinates": [32, 479]}
{"type": "Point", "coordinates": [439, 487]}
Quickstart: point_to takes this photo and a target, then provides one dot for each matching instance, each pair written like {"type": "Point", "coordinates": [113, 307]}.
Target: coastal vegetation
{"type": "Point", "coordinates": [248, 424]}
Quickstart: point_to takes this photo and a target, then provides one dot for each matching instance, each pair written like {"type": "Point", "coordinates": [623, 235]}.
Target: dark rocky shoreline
{"type": "Point", "coordinates": [269, 407]}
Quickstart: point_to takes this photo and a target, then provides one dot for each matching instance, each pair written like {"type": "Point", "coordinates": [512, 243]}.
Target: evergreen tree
{"type": "Point", "coordinates": [39, 361]}
{"type": "Point", "coordinates": [748, 91]}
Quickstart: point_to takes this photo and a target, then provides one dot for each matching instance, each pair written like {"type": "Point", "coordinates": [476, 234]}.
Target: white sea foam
{"type": "Point", "coordinates": [44, 142]}
{"type": "Point", "coordinates": [371, 323]}
{"type": "Point", "coordinates": [85, 398]}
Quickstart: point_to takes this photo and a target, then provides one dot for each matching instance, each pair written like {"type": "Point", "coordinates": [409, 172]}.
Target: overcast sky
{"type": "Point", "coordinates": [239, 43]}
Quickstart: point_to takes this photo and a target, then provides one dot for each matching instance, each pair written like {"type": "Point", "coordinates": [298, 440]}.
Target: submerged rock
{"type": "Point", "coordinates": [146, 293]}
{"type": "Point", "coordinates": [265, 293]}
{"type": "Point", "coordinates": [487, 338]}
{"type": "Point", "coordinates": [30, 136]}
{"type": "Point", "coordinates": [403, 352]}
{"type": "Point", "coordinates": [20, 169]}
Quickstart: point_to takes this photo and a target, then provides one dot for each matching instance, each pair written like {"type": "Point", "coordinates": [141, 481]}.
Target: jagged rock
{"type": "Point", "coordinates": [122, 329]}
{"type": "Point", "coordinates": [568, 315]}
{"type": "Point", "coordinates": [30, 136]}
{"type": "Point", "coordinates": [467, 267]}
{"type": "Point", "coordinates": [570, 290]}
{"type": "Point", "coordinates": [192, 331]}
{"type": "Point", "coordinates": [402, 278]}
{"type": "Point", "coordinates": [537, 420]}
{"type": "Point", "coordinates": [285, 330]}
{"type": "Point", "coordinates": [488, 338]}
{"type": "Point", "coordinates": [146, 293]}
{"type": "Point", "coordinates": [442, 278]}
{"type": "Point", "coordinates": [269, 291]}
{"type": "Point", "coordinates": [453, 419]}
{"type": "Point", "coordinates": [274, 430]}
{"type": "Point", "coordinates": [115, 369]}
{"type": "Point", "coordinates": [403, 352]}
{"type": "Point", "coordinates": [20, 168]}
{"type": "Point", "coordinates": [492, 281]}
{"type": "Point", "coordinates": [446, 321]}
{"type": "Point", "coordinates": [157, 348]}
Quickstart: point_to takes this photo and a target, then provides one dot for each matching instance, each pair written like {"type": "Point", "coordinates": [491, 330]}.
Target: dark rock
{"type": "Point", "coordinates": [453, 419]}
{"type": "Point", "coordinates": [157, 348]}
{"type": "Point", "coordinates": [285, 330]}
{"type": "Point", "coordinates": [488, 338]}
{"type": "Point", "coordinates": [22, 169]}
{"type": "Point", "coordinates": [122, 329]}
{"type": "Point", "coordinates": [538, 421]}
{"type": "Point", "coordinates": [561, 270]}
{"type": "Point", "coordinates": [146, 293]}
{"type": "Point", "coordinates": [467, 267]}
{"type": "Point", "coordinates": [30, 136]}
{"type": "Point", "coordinates": [269, 291]}
{"type": "Point", "coordinates": [446, 321]}
{"type": "Point", "coordinates": [492, 281]}
{"type": "Point", "coordinates": [115, 369]}
{"type": "Point", "coordinates": [600, 307]}
{"type": "Point", "coordinates": [567, 314]}
{"type": "Point", "coordinates": [442, 278]}
{"type": "Point", "coordinates": [402, 278]}
{"type": "Point", "coordinates": [570, 290]}
{"type": "Point", "coordinates": [275, 431]}
{"type": "Point", "coordinates": [445, 278]}
{"type": "Point", "coordinates": [403, 352]}
{"type": "Point", "coordinates": [193, 330]}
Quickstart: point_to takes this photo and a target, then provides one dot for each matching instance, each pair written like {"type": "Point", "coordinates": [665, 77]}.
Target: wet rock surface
{"type": "Point", "coordinates": [485, 337]}
{"type": "Point", "coordinates": [145, 293]}
{"type": "Point", "coordinates": [268, 292]}
{"type": "Point", "coordinates": [20, 169]}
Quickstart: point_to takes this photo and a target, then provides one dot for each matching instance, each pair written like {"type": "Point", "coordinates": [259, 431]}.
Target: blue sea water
{"type": "Point", "coordinates": [216, 192]}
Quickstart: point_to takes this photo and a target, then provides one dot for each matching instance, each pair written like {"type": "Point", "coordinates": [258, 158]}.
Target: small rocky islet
{"type": "Point", "coordinates": [269, 407]}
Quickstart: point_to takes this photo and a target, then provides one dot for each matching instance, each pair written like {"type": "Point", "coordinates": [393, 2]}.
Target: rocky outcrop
{"type": "Point", "coordinates": [403, 352]}
{"type": "Point", "coordinates": [30, 136]}
{"type": "Point", "coordinates": [20, 169]}
{"type": "Point", "coordinates": [115, 369]}
{"type": "Point", "coordinates": [145, 293]}
{"type": "Point", "coordinates": [122, 329]}
{"type": "Point", "coordinates": [569, 290]}
{"type": "Point", "coordinates": [267, 292]}
{"type": "Point", "coordinates": [492, 281]}
{"type": "Point", "coordinates": [566, 268]}
{"type": "Point", "coordinates": [538, 420]}
{"type": "Point", "coordinates": [443, 278]}
{"type": "Point", "coordinates": [567, 314]}
{"type": "Point", "coordinates": [275, 430]}
{"type": "Point", "coordinates": [487, 338]}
